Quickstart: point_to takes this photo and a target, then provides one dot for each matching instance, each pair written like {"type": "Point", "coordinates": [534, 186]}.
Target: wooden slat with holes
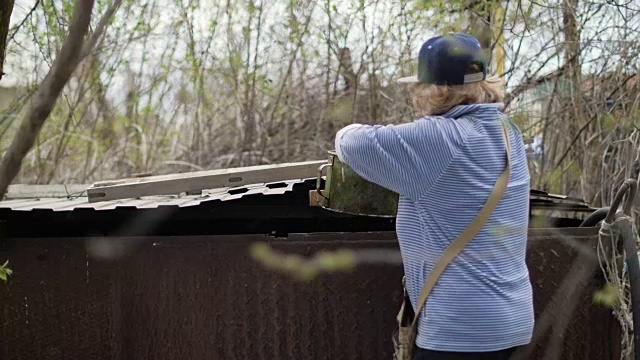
{"type": "Point", "coordinates": [201, 180]}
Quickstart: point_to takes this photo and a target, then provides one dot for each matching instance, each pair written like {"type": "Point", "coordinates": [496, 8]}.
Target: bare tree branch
{"type": "Point", "coordinates": [530, 84]}
{"type": "Point", "coordinates": [102, 24]}
{"type": "Point", "coordinates": [71, 54]}
{"type": "Point", "coordinates": [17, 27]}
{"type": "Point", "coordinates": [6, 8]}
{"type": "Point", "coordinates": [588, 122]}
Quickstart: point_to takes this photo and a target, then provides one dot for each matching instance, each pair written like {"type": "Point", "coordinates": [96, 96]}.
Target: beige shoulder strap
{"type": "Point", "coordinates": [465, 237]}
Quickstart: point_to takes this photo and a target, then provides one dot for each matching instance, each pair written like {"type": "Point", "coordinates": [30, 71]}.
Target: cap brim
{"type": "Point", "coordinates": [408, 80]}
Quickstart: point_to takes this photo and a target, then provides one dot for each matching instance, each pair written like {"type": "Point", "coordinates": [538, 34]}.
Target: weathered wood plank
{"type": "Point", "coordinates": [27, 191]}
{"type": "Point", "coordinates": [201, 180]}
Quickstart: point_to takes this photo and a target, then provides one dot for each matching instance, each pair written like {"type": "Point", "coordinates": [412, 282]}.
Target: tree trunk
{"type": "Point", "coordinates": [571, 38]}
{"type": "Point", "coordinates": [45, 97]}
{"type": "Point", "coordinates": [479, 23]}
{"type": "Point", "coordinates": [348, 72]}
{"type": "Point", "coordinates": [6, 8]}
{"type": "Point", "coordinates": [574, 99]}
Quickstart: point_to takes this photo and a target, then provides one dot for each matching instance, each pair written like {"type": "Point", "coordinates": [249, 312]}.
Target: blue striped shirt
{"type": "Point", "coordinates": [444, 168]}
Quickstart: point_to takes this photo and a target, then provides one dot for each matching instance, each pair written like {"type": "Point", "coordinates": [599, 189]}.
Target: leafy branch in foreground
{"type": "Point", "coordinates": [308, 268]}
{"type": "Point", "coordinates": [5, 271]}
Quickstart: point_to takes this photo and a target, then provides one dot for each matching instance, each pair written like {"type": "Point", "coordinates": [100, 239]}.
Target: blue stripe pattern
{"type": "Point", "coordinates": [444, 168]}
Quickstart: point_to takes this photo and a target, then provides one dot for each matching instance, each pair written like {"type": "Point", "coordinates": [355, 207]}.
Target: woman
{"type": "Point", "coordinates": [444, 166]}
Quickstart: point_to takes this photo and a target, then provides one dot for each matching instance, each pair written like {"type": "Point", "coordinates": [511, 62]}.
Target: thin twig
{"type": "Point", "coordinates": [27, 17]}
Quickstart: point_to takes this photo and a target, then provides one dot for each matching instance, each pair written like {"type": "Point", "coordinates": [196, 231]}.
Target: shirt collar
{"type": "Point", "coordinates": [461, 110]}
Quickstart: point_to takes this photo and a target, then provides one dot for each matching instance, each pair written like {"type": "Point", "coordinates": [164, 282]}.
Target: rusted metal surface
{"type": "Point", "coordinates": [202, 297]}
{"type": "Point", "coordinates": [592, 331]}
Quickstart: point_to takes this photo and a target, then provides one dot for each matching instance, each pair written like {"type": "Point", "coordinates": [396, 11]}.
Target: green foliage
{"type": "Point", "coordinates": [341, 112]}
{"type": "Point", "coordinates": [609, 296]}
{"type": "Point", "coordinates": [301, 268]}
{"type": "Point", "coordinates": [554, 178]}
{"type": "Point", "coordinates": [608, 122]}
{"type": "Point", "coordinates": [5, 272]}
{"type": "Point", "coordinates": [521, 120]}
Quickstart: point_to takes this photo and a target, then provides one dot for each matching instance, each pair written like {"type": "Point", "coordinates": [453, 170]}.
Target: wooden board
{"type": "Point", "coordinates": [201, 180]}
{"type": "Point", "coordinates": [28, 191]}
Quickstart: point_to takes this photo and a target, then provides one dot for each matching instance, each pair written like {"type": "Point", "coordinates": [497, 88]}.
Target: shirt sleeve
{"type": "Point", "coordinates": [407, 158]}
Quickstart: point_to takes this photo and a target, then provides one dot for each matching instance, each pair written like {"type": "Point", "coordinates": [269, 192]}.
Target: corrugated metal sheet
{"type": "Point", "coordinates": [23, 199]}
{"type": "Point", "coordinates": [79, 200]}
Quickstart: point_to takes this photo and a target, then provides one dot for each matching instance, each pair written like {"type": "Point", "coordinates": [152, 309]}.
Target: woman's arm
{"type": "Point", "coordinates": [407, 158]}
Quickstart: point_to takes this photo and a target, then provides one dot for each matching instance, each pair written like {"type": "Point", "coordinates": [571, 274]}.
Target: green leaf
{"type": "Point", "coordinates": [5, 263]}
{"type": "Point", "coordinates": [3, 276]}
{"type": "Point", "coordinates": [608, 122]}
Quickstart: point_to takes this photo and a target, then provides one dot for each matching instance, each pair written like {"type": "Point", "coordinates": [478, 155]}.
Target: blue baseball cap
{"type": "Point", "coordinates": [448, 59]}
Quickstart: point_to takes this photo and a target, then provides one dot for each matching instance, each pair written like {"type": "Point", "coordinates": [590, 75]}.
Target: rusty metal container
{"type": "Point", "coordinates": [347, 192]}
{"type": "Point", "coordinates": [203, 297]}
{"type": "Point", "coordinates": [196, 293]}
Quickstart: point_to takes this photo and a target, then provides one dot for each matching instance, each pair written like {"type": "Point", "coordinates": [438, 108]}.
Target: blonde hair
{"type": "Point", "coordinates": [429, 99]}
